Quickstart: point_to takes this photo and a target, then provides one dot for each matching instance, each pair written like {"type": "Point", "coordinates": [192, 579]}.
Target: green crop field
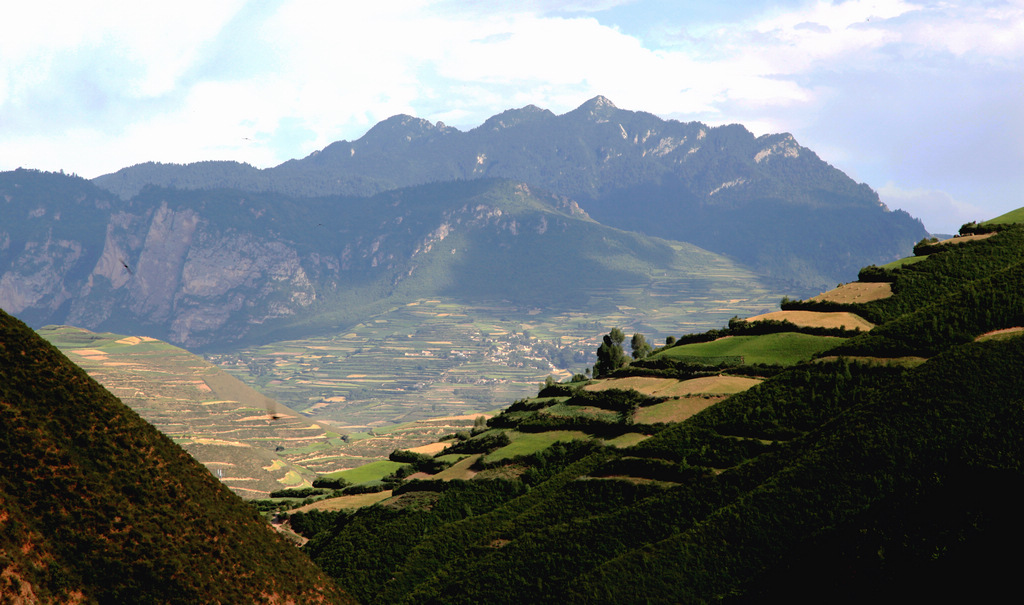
{"type": "Point", "coordinates": [909, 260]}
{"type": "Point", "coordinates": [786, 348]}
{"type": "Point", "coordinates": [528, 443]}
{"type": "Point", "coordinates": [571, 411]}
{"type": "Point", "coordinates": [374, 471]}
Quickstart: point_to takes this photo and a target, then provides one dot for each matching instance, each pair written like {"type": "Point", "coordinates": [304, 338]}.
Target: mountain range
{"type": "Point", "coordinates": [720, 188]}
{"type": "Point", "coordinates": [536, 209]}
{"type": "Point", "coordinates": [217, 267]}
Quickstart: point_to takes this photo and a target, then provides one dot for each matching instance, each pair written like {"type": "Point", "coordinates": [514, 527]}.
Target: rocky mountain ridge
{"type": "Point", "coordinates": [203, 268]}
{"type": "Point", "coordinates": [720, 187]}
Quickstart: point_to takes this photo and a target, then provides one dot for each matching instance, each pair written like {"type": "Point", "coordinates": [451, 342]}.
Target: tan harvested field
{"type": "Point", "coordinates": [462, 417]}
{"type": "Point", "coordinates": [89, 352]}
{"type": "Point", "coordinates": [817, 319]}
{"type": "Point", "coordinates": [668, 387]}
{"type": "Point", "coordinates": [675, 410]}
{"type": "Point", "coordinates": [346, 502]}
{"type": "Point", "coordinates": [966, 238]}
{"type": "Point", "coordinates": [856, 292]}
{"type": "Point", "coordinates": [999, 334]}
{"type": "Point", "coordinates": [430, 448]}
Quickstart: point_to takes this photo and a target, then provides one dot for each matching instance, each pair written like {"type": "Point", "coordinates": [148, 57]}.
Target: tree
{"type": "Point", "coordinates": [610, 355]}
{"type": "Point", "coordinates": [640, 346]}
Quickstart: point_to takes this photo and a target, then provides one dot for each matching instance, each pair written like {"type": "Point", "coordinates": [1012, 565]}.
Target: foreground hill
{"type": "Point", "coordinates": [215, 268]}
{"type": "Point", "coordinates": [874, 462]}
{"type": "Point", "coordinates": [720, 188]}
{"type": "Point", "coordinates": [96, 506]}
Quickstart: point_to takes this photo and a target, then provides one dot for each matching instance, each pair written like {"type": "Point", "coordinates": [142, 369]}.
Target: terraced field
{"type": "Point", "coordinates": [249, 441]}
{"type": "Point", "coordinates": [680, 399]}
{"type": "Point", "coordinates": [436, 357]}
{"type": "Point", "coordinates": [398, 380]}
{"type": "Point", "coordinates": [224, 424]}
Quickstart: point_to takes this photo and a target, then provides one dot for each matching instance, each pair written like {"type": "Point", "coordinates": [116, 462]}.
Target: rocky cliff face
{"type": "Point", "coordinates": [201, 268]}
{"type": "Point", "coordinates": [178, 268]}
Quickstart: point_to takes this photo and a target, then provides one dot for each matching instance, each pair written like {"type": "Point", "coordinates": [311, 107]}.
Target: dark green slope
{"type": "Point", "coordinates": [96, 506]}
{"type": "Point", "coordinates": [842, 479]}
{"type": "Point", "coordinates": [872, 502]}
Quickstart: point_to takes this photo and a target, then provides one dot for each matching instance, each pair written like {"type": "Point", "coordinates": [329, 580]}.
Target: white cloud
{"type": "Point", "coordinates": [989, 32]}
{"type": "Point", "coordinates": [938, 210]}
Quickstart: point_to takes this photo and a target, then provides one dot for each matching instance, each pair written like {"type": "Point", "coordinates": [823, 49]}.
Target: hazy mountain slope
{"type": "Point", "coordinates": [97, 506]}
{"type": "Point", "coordinates": [199, 268]}
{"type": "Point", "coordinates": [232, 429]}
{"type": "Point", "coordinates": [842, 478]}
{"type": "Point", "coordinates": [765, 200]}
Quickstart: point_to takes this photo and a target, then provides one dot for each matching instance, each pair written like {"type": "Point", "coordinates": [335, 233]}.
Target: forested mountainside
{"type": "Point", "coordinates": [203, 268]}
{"type": "Point", "coordinates": [872, 451]}
{"type": "Point", "coordinates": [767, 201]}
{"type": "Point", "coordinates": [97, 506]}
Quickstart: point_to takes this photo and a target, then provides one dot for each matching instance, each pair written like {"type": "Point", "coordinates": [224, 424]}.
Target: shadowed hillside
{"type": "Point", "coordinates": [788, 457]}
{"type": "Point", "coordinates": [96, 506]}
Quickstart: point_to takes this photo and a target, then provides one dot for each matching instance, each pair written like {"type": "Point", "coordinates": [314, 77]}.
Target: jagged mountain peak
{"type": "Point", "coordinates": [403, 128]}
{"type": "Point", "coordinates": [515, 117]}
{"type": "Point", "coordinates": [773, 146]}
{"type": "Point", "coordinates": [599, 108]}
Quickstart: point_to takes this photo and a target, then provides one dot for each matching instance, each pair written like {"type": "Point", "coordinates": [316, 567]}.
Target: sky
{"type": "Point", "coordinates": [921, 100]}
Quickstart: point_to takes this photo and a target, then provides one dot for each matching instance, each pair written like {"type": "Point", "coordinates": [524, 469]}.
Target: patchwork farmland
{"type": "Point", "coordinates": [436, 357]}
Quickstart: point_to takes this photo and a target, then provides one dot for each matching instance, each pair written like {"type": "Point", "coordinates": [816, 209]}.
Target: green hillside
{"type": "Point", "coordinates": [883, 465]}
{"type": "Point", "coordinates": [1013, 216]}
{"type": "Point", "coordinates": [96, 506]}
